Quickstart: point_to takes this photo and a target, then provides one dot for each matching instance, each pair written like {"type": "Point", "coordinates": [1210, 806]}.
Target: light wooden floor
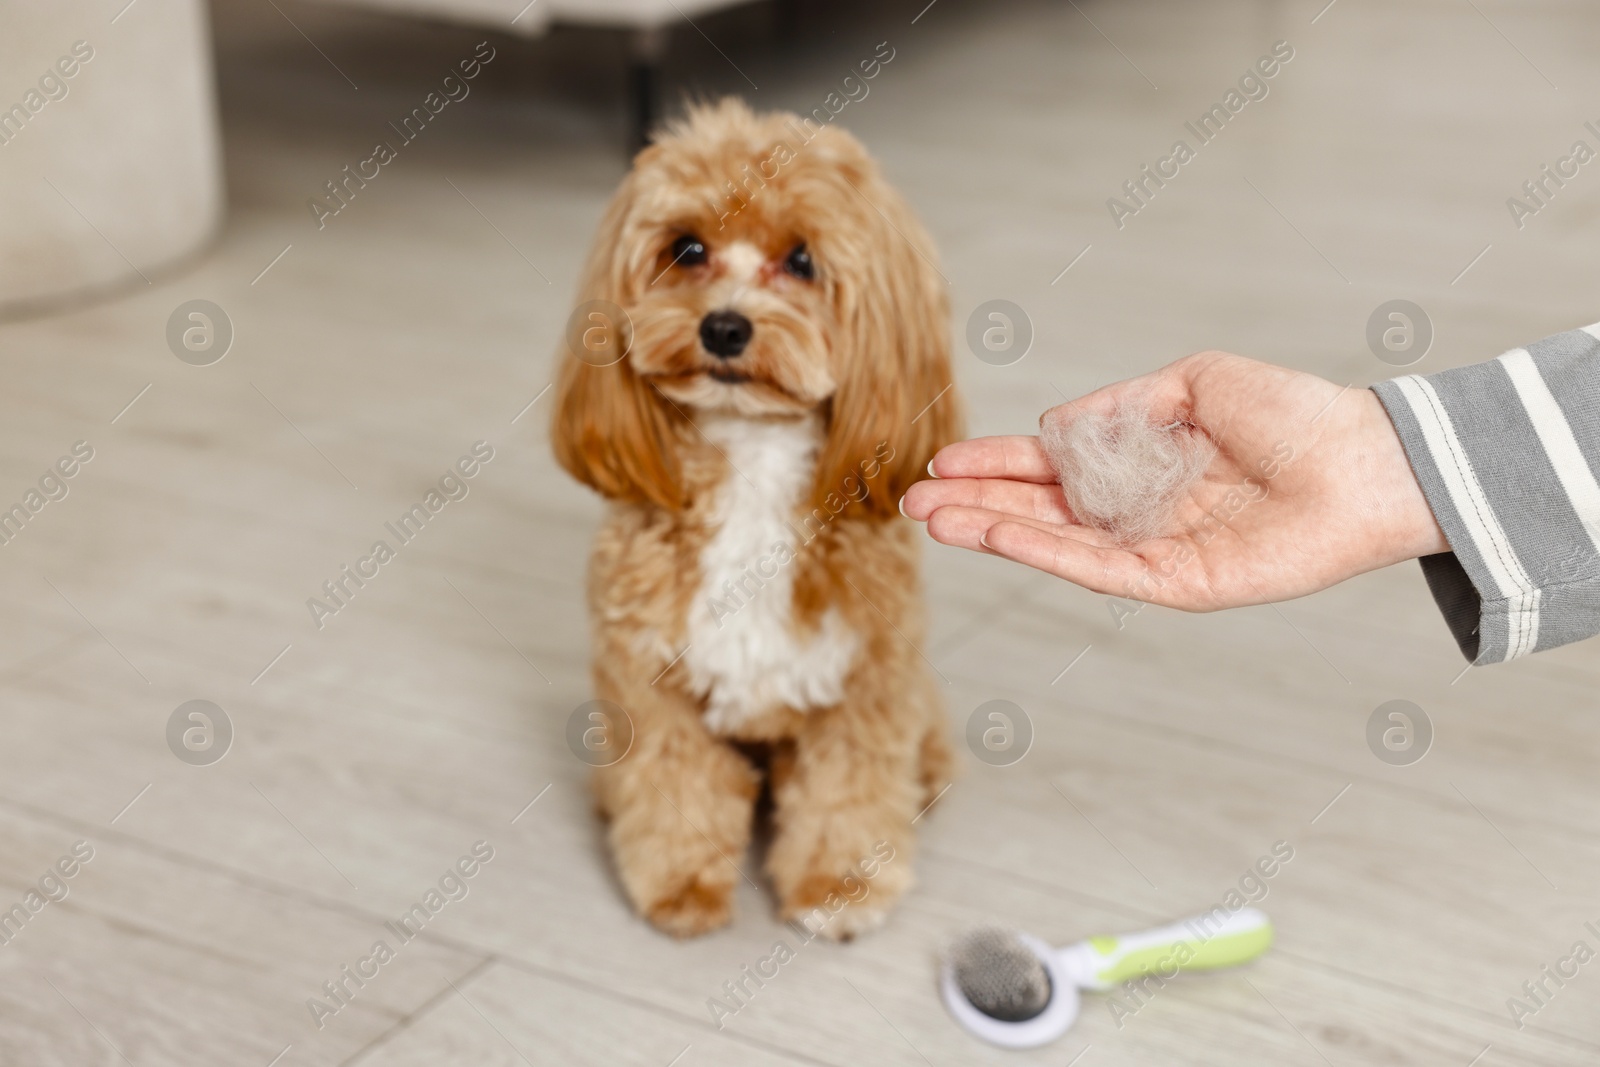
{"type": "Point", "coordinates": [430, 711]}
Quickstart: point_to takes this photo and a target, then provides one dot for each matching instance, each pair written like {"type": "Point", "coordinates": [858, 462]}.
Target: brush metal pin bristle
{"type": "Point", "coordinates": [1000, 976]}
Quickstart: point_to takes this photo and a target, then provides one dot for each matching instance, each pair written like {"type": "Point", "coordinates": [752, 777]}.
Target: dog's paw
{"type": "Point", "coordinates": [857, 919]}
{"type": "Point", "coordinates": [696, 907]}
{"type": "Point", "coordinates": [839, 909]}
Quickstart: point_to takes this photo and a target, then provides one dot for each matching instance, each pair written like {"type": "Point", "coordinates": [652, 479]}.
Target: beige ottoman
{"type": "Point", "coordinates": [110, 167]}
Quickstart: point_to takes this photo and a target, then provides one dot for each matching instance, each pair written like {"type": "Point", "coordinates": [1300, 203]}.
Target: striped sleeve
{"type": "Point", "coordinates": [1507, 454]}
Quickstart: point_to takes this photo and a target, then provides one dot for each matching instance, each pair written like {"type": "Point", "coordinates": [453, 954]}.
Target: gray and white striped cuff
{"type": "Point", "coordinates": [1506, 453]}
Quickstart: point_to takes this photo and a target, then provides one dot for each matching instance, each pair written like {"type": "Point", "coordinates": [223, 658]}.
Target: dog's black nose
{"type": "Point", "coordinates": [725, 333]}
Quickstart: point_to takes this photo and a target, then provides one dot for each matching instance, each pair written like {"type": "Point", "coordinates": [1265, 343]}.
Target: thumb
{"type": "Point", "coordinates": [1166, 394]}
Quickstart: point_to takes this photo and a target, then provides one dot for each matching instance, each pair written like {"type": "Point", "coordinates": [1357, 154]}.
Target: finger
{"type": "Point", "coordinates": [1100, 569]}
{"type": "Point", "coordinates": [1015, 457]}
{"type": "Point", "coordinates": [1025, 499]}
{"type": "Point", "coordinates": [967, 527]}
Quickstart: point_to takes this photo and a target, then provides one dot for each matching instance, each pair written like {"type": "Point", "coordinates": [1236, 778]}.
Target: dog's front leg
{"type": "Point", "coordinates": [680, 805]}
{"type": "Point", "coordinates": [841, 854]}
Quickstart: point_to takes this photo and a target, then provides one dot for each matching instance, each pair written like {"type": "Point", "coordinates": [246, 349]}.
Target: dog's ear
{"type": "Point", "coordinates": [612, 433]}
{"type": "Point", "coordinates": [895, 405]}
{"type": "Point", "coordinates": [611, 430]}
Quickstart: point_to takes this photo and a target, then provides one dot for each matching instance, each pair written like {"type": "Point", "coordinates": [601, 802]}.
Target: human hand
{"type": "Point", "coordinates": [1310, 486]}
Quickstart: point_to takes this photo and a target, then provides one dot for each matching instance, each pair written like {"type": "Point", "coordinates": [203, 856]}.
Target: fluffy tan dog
{"type": "Point", "coordinates": [754, 590]}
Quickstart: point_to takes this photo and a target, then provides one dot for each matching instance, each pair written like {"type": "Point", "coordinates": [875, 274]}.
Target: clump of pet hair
{"type": "Point", "coordinates": [1126, 472]}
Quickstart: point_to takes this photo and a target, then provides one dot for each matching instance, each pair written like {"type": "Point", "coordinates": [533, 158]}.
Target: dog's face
{"type": "Point", "coordinates": [765, 269]}
{"type": "Point", "coordinates": [732, 263]}
{"type": "Point", "coordinates": [736, 316]}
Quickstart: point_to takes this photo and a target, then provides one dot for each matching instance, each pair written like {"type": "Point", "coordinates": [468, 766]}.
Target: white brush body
{"type": "Point", "coordinates": [1056, 1019]}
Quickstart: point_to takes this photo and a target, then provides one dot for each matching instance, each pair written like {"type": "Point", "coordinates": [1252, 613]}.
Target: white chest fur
{"type": "Point", "coordinates": [745, 656]}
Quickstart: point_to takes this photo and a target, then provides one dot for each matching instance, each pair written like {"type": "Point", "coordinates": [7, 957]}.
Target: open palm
{"type": "Point", "coordinates": [1309, 487]}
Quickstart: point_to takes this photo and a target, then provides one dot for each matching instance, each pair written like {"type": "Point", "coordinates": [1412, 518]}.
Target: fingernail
{"type": "Point", "coordinates": [902, 506]}
{"type": "Point", "coordinates": [930, 470]}
{"type": "Point", "coordinates": [983, 539]}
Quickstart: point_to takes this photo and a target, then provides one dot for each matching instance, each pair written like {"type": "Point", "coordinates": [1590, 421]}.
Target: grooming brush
{"type": "Point", "coordinates": [1015, 991]}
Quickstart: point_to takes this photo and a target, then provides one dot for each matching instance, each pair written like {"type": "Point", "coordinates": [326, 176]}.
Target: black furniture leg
{"type": "Point", "coordinates": [646, 49]}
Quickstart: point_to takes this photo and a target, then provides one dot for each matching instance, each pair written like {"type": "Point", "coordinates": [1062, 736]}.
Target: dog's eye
{"type": "Point", "coordinates": [799, 264]}
{"type": "Point", "coordinates": [688, 251]}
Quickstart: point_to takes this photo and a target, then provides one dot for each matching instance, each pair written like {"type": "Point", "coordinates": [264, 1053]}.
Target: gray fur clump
{"type": "Point", "coordinates": [1124, 473]}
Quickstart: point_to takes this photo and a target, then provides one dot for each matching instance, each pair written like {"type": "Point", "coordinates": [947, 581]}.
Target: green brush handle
{"type": "Point", "coordinates": [1200, 943]}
